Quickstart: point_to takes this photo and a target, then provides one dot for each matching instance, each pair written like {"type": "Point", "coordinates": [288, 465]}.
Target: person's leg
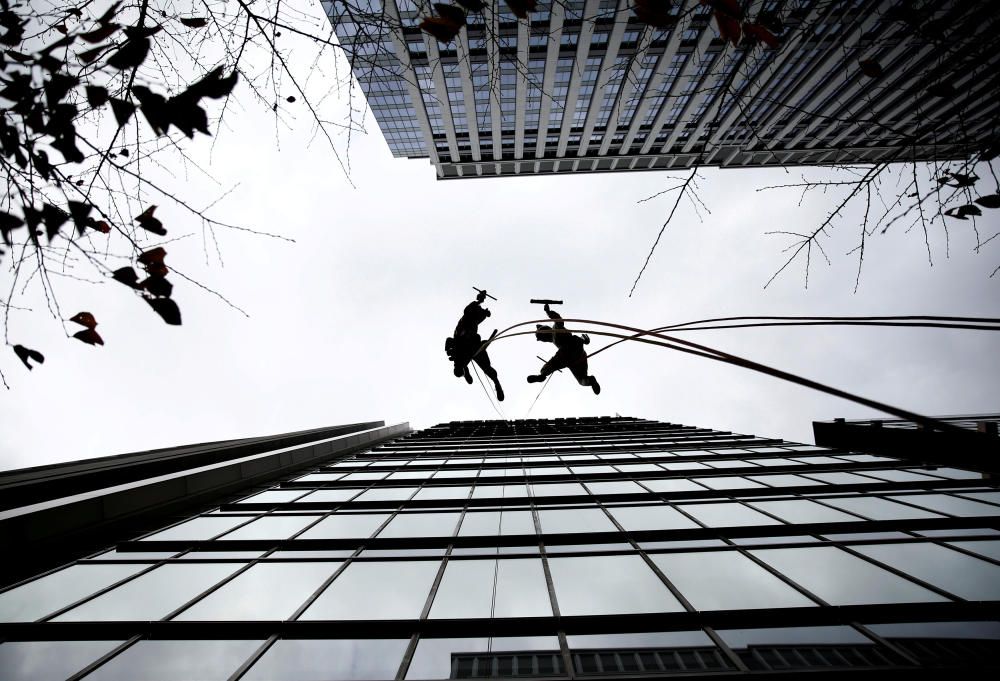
{"type": "Point", "coordinates": [548, 368]}
{"type": "Point", "coordinates": [579, 369]}
{"type": "Point", "coordinates": [483, 360]}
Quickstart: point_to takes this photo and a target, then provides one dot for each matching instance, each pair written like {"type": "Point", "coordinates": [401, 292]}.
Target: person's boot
{"type": "Point", "coordinates": [535, 379]}
{"type": "Point", "coordinates": [595, 385]}
{"type": "Point", "coordinates": [499, 393]}
{"type": "Point", "coordinates": [468, 376]}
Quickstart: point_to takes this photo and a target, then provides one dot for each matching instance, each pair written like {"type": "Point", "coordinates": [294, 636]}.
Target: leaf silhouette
{"type": "Point", "coordinates": [100, 225]}
{"type": "Point", "coordinates": [158, 286]}
{"type": "Point", "coordinates": [89, 336]}
{"type": "Point", "coordinates": [655, 13]}
{"type": "Point", "coordinates": [440, 28]}
{"type": "Point", "coordinates": [870, 68]}
{"type": "Point", "coordinates": [149, 223]}
{"type": "Point", "coordinates": [96, 96]}
{"type": "Point", "coordinates": [84, 319]}
{"type": "Point", "coordinates": [9, 223]}
{"type": "Point", "coordinates": [80, 213]}
{"type": "Point", "coordinates": [472, 5]}
{"type": "Point", "coordinates": [24, 354]}
{"type": "Point", "coordinates": [122, 109]}
{"type": "Point", "coordinates": [90, 55]}
{"type": "Point", "coordinates": [131, 54]}
{"type": "Point", "coordinates": [759, 32]}
{"type": "Point", "coordinates": [989, 201]}
{"type": "Point", "coordinates": [54, 218]}
{"type": "Point", "coordinates": [166, 308]}
{"type": "Point", "coordinates": [100, 34]}
{"type": "Point", "coordinates": [127, 276]}
{"type": "Point", "coordinates": [194, 22]}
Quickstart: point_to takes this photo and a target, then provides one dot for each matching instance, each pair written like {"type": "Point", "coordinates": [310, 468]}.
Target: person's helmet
{"type": "Point", "coordinates": [543, 333]}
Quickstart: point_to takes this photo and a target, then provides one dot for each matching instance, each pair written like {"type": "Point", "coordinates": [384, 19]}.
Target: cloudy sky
{"type": "Point", "coordinates": [348, 322]}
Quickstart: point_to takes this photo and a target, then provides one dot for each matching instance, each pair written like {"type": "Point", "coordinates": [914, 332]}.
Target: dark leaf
{"type": "Point", "coordinates": [18, 56]}
{"type": "Point", "coordinates": [290, 99]}
{"type": "Point", "coordinates": [760, 33]}
{"type": "Point", "coordinates": [964, 180]}
{"type": "Point", "coordinates": [127, 276]}
{"type": "Point", "coordinates": [110, 14]}
{"type": "Point", "coordinates": [472, 5]}
{"type": "Point", "coordinates": [41, 162]}
{"type": "Point", "coordinates": [96, 96]}
{"type": "Point", "coordinates": [194, 22]}
{"type": "Point", "coordinates": [154, 108]}
{"type": "Point", "coordinates": [58, 87]}
{"type": "Point", "coordinates": [729, 27]}
{"type": "Point", "coordinates": [455, 15]}
{"type": "Point", "coordinates": [214, 85]}
{"type": "Point", "coordinates": [130, 55]}
{"type": "Point", "coordinates": [166, 308]}
{"type": "Point", "coordinates": [101, 226]}
{"type": "Point", "coordinates": [521, 8]}
{"type": "Point", "coordinates": [870, 68]}
{"type": "Point", "coordinates": [442, 29]}
{"type": "Point", "coordinates": [989, 201]}
{"type": "Point", "coordinates": [153, 255]}
{"type": "Point", "coordinates": [62, 28]}
{"type": "Point", "coordinates": [123, 152]}
{"type": "Point", "coordinates": [89, 336]}
{"type": "Point", "coordinates": [729, 7]}
{"type": "Point", "coordinates": [24, 354]}
{"type": "Point", "coordinates": [655, 13]}
{"type": "Point", "coordinates": [9, 223]}
{"type": "Point", "coordinates": [771, 21]}
{"type": "Point", "coordinates": [158, 286]}
{"type": "Point", "coordinates": [80, 213]}
{"type": "Point", "coordinates": [54, 218]}
{"type": "Point", "coordinates": [91, 54]}
{"type": "Point", "coordinates": [84, 319]}
{"type": "Point", "coordinates": [963, 212]}
{"type": "Point", "coordinates": [100, 34]}
{"type": "Point", "coordinates": [149, 223]}
{"type": "Point", "coordinates": [122, 109]}
{"type": "Point", "coordinates": [46, 53]}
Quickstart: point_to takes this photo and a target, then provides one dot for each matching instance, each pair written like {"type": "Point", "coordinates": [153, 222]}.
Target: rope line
{"type": "Point", "coordinates": [538, 395]}
{"type": "Point", "coordinates": [689, 347]}
{"type": "Point", "coordinates": [488, 396]}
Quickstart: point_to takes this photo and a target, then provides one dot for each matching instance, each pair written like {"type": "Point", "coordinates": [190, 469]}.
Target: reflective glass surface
{"type": "Point", "coordinates": [49, 660]}
{"type": "Point", "coordinates": [434, 658]}
{"type": "Point", "coordinates": [601, 585]}
{"type": "Point", "coordinates": [377, 591]}
{"type": "Point", "coordinates": [492, 588]}
{"type": "Point", "coordinates": [343, 525]}
{"type": "Point", "coordinates": [39, 597]}
{"type": "Point", "coordinates": [333, 659]}
{"type": "Point", "coordinates": [202, 660]}
{"type": "Point", "coordinates": [965, 576]}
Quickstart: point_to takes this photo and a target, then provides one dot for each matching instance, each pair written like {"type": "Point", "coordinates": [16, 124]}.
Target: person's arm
{"type": "Point", "coordinates": [554, 315]}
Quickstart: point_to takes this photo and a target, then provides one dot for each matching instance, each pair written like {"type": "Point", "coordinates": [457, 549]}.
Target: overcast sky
{"type": "Point", "coordinates": [348, 323]}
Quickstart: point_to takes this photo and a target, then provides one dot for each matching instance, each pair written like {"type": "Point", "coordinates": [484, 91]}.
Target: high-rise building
{"type": "Point", "coordinates": [565, 548]}
{"type": "Point", "coordinates": [585, 86]}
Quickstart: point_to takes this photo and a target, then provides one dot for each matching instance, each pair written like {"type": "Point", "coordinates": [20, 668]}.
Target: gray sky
{"type": "Point", "coordinates": [348, 323]}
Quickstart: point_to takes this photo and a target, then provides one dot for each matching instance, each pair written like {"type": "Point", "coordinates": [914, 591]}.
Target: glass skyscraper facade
{"type": "Point", "coordinates": [584, 86]}
{"type": "Point", "coordinates": [566, 548]}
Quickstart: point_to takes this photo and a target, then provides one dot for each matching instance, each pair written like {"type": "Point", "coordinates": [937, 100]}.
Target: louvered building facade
{"type": "Point", "coordinates": [567, 548]}
{"type": "Point", "coordinates": [584, 86]}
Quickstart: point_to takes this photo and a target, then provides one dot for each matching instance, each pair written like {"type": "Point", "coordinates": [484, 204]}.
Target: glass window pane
{"type": "Point", "coordinates": [725, 514]}
{"type": "Point", "coordinates": [332, 659]}
{"type": "Point", "coordinates": [727, 580]}
{"type": "Point", "coordinates": [990, 549]}
{"type": "Point", "coordinates": [618, 487]}
{"type": "Point", "coordinates": [557, 489]}
{"type": "Point", "coordinates": [480, 524]}
{"type": "Point", "coordinates": [957, 573]}
{"type": "Point", "coordinates": [673, 485]}
{"type": "Point", "coordinates": [332, 494]}
{"type": "Point", "coordinates": [421, 525]}
{"type": "Point", "coordinates": [35, 599]}
{"type": "Point", "coordinates": [466, 590]}
{"type": "Point", "coordinates": [442, 493]}
{"type": "Point", "coordinates": [320, 477]}
{"type": "Point", "coordinates": [387, 494]}
{"type": "Point", "coordinates": [278, 496]}
{"type": "Point", "coordinates": [202, 527]}
{"type": "Point", "coordinates": [517, 522]}
{"type": "Point", "coordinates": [272, 527]}
{"type": "Point", "coordinates": [411, 475]}
{"type": "Point", "coordinates": [267, 591]}
{"type": "Point", "coordinates": [49, 660]}
{"type": "Point", "coordinates": [345, 525]}
{"type": "Point", "coordinates": [153, 595]}
{"type": "Point", "coordinates": [638, 467]}
{"type": "Point", "coordinates": [555, 521]}
{"type": "Point", "coordinates": [842, 579]}
{"type": "Point", "coordinates": [899, 476]}
{"type": "Point", "coordinates": [546, 470]}
{"type": "Point", "coordinates": [945, 503]}
{"type": "Point", "coordinates": [377, 591]}
{"type": "Point", "coordinates": [804, 511]}
{"type": "Point", "coordinates": [841, 478]}
{"type": "Point", "coordinates": [723, 482]}
{"type": "Point", "coordinates": [354, 478]}
{"type": "Point", "coordinates": [500, 491]}
{"type": "Point", "coordinates": [172, 660]}
{"type": "Point", "coordinates": [592, 470]}
{"type": "Point", "coordinates": [784, 480]}
{"type": "Point", "coordinates": [879, 509]}
{"type": "Point", "coordinates": [436, 658]}
{"type": "Point", "coordinates": [605, 585]}
{"type": "Point", "coordinates": [639, 518]}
